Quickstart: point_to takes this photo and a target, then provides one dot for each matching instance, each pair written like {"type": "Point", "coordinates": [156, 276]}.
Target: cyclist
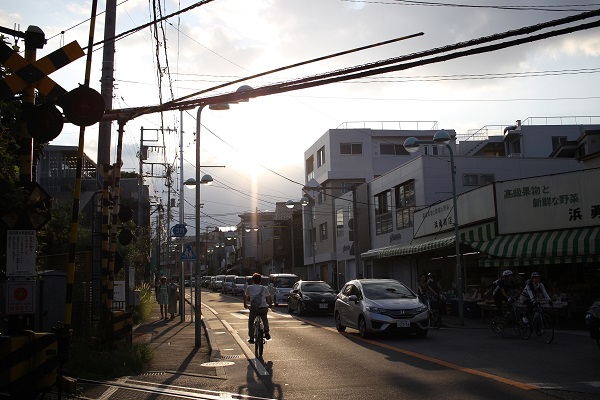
{"type": "Point", "coordinates": [534, 289]}
{"type": "Point", "coordinates": [423, 289]}
{"type": "Point", "coordinates": [258, 300]}
{"type": "Point", "coordinates": [502, 286]}
{"type": "Point", "coordinates": [433, 290]}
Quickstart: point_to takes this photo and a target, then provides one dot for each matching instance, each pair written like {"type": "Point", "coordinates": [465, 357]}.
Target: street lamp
{"type": "Point", "coordinates": [198, 299]}
{"type": "Point", "coordinates": [442, 138]}
{"type": "Point", "coordinates": [303, 202]}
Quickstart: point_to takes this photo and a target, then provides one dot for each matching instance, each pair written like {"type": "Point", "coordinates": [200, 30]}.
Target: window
{"type": "Point", "coordinates": [433, 150]}
{"type": "Point", "coordinates": [339, 220]}
{"type": "Point", "coordinates": [323, 232]}
{"type": "Point", "coordinates": [350, 148]}
{"type": "Point", "coordinates": [322, 196]}
{"type": "Point", "coordinates": [405, 204]}
{"type": "Point", "coordinates": [321, 156]}
{"type": "Point", "coordinates": [309, 167]}
{"type": "Point", "coordinates": [392, 149]}
{"type": "Point", "coordinates": [478, 179]}
{"type": "Point", "coordinates": [383, 212]}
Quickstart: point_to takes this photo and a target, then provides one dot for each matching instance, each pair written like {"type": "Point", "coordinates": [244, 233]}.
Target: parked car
{"type": "Point", "coordinates": [238, 285]}
{"type": "Point", "coordinates": [228, 284]}
{"type": "Point", "coordinates": [280, 286]}
{"type": "Point", "coordinates": [311, 297]}
{"type": "Point", "coordinates": [380, 305]}
{"type": "Point", "coordinates": [217, 283]}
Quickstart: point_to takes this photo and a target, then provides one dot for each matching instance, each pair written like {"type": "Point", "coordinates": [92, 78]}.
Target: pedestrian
{"type": "Point", "coordinates": [173, 297]}
{"type": "Point", "coordinates": [162, 296]}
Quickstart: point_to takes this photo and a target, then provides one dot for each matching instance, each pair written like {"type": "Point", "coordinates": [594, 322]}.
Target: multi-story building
{"type": "Point", "coordinates": [398, 183]}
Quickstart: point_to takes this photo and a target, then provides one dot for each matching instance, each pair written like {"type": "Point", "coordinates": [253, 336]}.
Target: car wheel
{"type": "Point", "coordinates": [338, 323]}
{"type": "Point", "coordinates": [362, 327]}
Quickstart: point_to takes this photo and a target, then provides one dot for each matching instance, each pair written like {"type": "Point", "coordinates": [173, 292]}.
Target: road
{"type": "Point", "coordinates": [309, 359]}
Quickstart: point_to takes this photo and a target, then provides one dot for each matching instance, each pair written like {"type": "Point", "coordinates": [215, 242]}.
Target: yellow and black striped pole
{"type": "Point", "coordinates": [77, 188]}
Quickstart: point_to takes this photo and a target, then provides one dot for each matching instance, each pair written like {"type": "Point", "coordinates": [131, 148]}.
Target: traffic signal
{"type": "Point", "coordinates": [44, 122]}
{"type": "Point", "coordinates": [82, 106]}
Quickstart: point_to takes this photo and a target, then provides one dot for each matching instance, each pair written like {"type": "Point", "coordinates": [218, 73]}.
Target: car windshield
{"type": "Point", "coordinates": [316, 287]}
{"type": "Point", "coordinates": [285, 282]}
{"type": "Point", "coordinates": [239, 280]}
{"type": "Point", "coordinates": [386, 290]}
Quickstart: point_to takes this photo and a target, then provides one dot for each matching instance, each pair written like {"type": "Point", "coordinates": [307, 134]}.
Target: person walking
{"type": "Point", "coordinates": [162, 296]}
{"type": "Point", "coordinates": [173, 297]}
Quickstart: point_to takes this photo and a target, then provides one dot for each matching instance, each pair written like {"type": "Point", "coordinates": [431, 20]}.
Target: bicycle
{"type": "Point", "coordinates": [541, 324]}
{"type": "Point", "coordinates": [259, 337]}
{"type": "Point", "coordinates": [435, 319]}
{"type": "Point", "coordinates": [513, 316]}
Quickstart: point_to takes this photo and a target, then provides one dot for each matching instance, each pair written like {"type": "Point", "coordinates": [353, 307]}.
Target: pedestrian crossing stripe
{"type": "Point", "coordinates": [36, 73]}
{"type": "Point", "coordinates": [188, 254]}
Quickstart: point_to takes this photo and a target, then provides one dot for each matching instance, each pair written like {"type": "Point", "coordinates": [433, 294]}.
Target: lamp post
{"type": "Point", "coordinates": [291, 204]}
{"type": "Point", "coordinates": [442, 138]}
{"type": "Point", "coordinates": [198, 270]}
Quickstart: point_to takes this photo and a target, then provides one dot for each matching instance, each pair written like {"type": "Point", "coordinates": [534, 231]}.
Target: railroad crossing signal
{"type": "Point", "coordinates": [26, 73]}
{"type": "Point", "coordinates": [82, 106]}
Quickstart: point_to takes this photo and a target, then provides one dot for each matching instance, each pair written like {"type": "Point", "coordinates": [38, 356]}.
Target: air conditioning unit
{"type": "Point", "coordinates": [515, 155]}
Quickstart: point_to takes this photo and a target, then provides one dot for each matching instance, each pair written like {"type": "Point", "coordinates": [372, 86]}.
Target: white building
{"type": "Point", "coordinates": [398, 183]}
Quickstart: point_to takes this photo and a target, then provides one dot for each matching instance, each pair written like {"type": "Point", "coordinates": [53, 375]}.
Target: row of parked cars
{"type": "Point", "coordinates": [367, 305]}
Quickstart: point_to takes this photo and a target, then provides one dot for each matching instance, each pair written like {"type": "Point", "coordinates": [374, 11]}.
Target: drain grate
{"type": "Point", "coordinates": [231, 357]}
{"type": "Point", "coordinates": [152, 373]}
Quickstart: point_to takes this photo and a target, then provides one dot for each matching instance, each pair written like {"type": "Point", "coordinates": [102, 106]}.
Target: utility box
{"type": "Point", "coordinates": [50, 300]}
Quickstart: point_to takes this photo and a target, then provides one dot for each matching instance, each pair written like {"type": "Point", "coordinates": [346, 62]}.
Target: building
{"type": "Point", "coordinates": [398, 184]}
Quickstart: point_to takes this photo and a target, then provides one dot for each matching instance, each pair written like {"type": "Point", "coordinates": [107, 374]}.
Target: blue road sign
{"type": "Point", "coordinates": [179, 230]}
{"type": "Point", "coordinates": [188, 254]}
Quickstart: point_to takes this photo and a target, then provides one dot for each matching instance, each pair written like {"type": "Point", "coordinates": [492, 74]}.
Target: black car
{"type": "Point", "coordinates": [311, 297]}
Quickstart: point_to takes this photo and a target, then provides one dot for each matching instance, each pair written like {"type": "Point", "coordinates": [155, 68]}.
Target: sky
{"type": "Point", "coordinates": [255, 150]}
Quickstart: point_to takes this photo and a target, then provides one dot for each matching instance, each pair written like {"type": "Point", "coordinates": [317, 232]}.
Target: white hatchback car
{"type": "Point", "coordinates": [380, 305]}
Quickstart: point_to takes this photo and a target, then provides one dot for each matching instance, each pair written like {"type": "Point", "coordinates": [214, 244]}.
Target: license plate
{"type": "Point", "coordinates": [403, 323]}
{"type": "Point", "coordinates": [323, 305]}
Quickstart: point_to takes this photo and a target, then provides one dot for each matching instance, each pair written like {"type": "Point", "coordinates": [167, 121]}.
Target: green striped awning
{"type": "Point", "coordinates": [526, 262]}
{"type": "Point", "coordinates": [564, 243]}
{"type": "Point", "coordinates": [479, 233]}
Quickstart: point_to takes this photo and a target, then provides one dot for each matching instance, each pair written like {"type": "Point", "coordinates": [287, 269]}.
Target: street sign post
{"type": "Point", "coordinates": [179, 230]}
{"type": "Point", "coordinates": [188, 254]}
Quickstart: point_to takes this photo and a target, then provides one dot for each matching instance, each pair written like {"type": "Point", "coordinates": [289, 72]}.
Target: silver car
{"type": "Point", "coordinates": [380, 305]}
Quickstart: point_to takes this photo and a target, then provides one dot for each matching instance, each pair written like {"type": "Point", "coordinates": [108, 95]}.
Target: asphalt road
{"type": "Point", "coordinates": [309, 359]}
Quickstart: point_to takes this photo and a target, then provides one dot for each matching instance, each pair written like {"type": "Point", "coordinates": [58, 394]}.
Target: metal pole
{"type": "Point", "coordinates": [459, 283]}
{"type": "Point", "coordinates": [198, 299]}
{"type": "Point", "coordinates": [181, 221]}
{"type": "Point", "coordinates": [293, 256]}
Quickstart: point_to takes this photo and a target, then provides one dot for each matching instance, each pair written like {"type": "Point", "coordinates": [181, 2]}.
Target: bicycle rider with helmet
{"type": "Point", "coordinates": [500, 294]}
{"type": "Point", "coordinates": [534, 289]}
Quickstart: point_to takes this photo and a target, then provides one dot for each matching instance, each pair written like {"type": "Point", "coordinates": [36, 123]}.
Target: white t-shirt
{"type": "Point", "coordinates": [254, 290]}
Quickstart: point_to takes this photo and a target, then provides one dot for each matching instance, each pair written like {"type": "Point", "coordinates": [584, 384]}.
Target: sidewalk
{"type": "Point", "coordinates": [222, 363]}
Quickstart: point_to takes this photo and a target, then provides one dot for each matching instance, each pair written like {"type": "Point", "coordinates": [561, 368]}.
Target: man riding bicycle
{"type": "Point", "coordinates": [501, 291]}
{"type": "Point", "coordinates": [258, 300]}
{"type": "Point", "coordinates": [534, 289]}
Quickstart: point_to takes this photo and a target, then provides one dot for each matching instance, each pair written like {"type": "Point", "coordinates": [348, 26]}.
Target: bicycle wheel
{"type": "Point", "coordinates": [545, 328]}
{"type": "Point", "coordinates": [258, 344]}
{"type": "Point", "coordinates": [435, 320]}
{"type": "Point", "coordinates": [521, 327]}
{"type": "Point", "coordinates": [497, 325]}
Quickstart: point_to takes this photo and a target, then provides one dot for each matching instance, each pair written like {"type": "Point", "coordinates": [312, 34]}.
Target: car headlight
{"type": "Point", "coordinates": [376, 310]}
{"type": "Point", "coordinates": [421, 309]}
{"type": "Point", "coordinates": [305, 297]}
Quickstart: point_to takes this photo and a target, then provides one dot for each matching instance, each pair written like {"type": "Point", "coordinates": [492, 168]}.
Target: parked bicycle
{"type": "Point", "coordinates": [541, 324]}
{"type": "Point", "coordinates": [513, 316]}
{"type": "Point", "coordinates": [259, 337]}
